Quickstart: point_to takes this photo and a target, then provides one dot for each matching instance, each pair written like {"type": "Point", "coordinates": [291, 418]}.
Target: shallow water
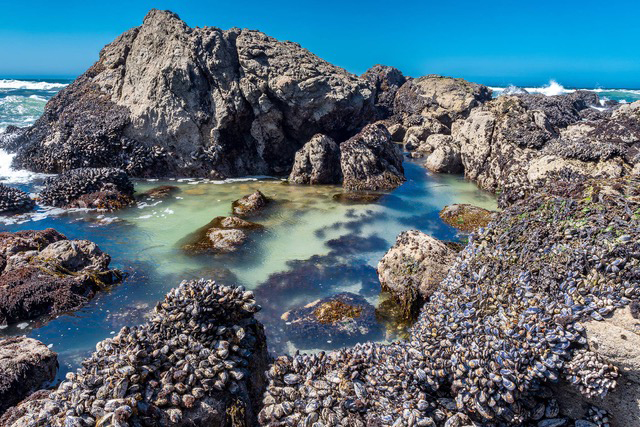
{"type": "Point", "coordinates": [313, 247]}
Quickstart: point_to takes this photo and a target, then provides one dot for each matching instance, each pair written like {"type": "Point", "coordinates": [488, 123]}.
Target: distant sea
{"type": "Point", "coordinates": [23, 101]}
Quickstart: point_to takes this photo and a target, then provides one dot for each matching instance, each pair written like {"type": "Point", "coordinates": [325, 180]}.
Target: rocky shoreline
{"type": "Point", "coordinates": [524, 326]}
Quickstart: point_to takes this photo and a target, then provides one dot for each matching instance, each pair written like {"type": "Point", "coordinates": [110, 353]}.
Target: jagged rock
{"type": "Point", "coordinates": [420, 130]}
{"type": "Point", "coordinates": [221, 235]}
{"type": "Point", "coordinates": [386, 81]}
{"type": "Point", "coordinates": [14, 201]}
{"type": "Point", "coordinates": [445, 158]}
{"type": "Point", "coordinates": [337, 319]}
{"type": "Point", "coordinates": [561, 110]}
{"type": "Point", "coordinates": [250, 204]}
{"type": "Point", "coordinates": [370, 161]}
{"type": "Point", "coordinates": [466, 217]}
{"type": "Point", "coordinates": [44, 273]}
{"type": "Point", "coordinates": [444, 98]}
{"type": "Point", "coordinates": [165, 99]}
{"type": "Point", "coordinates": [160, 192]}
{"type": "Point", "coordinates": [26, 365]}
{"type": "Point", "coordinates": [199, 361]}
{"type": "Point", "coordinates": [412, 269]}
{"type": "Point", "coordinates": [101, 188]}
{"type": "Point", "coordinates": [318, 162]}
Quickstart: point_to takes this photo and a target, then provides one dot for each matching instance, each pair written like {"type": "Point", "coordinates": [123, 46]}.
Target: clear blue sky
{"type": "Point", "coordinates": [582, 43]}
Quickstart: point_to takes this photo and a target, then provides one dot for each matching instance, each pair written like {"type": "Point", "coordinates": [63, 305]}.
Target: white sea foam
{"type": "Point", "coordinates": [29, 85]}
{"type": "Point", "coordinates": [8, 175]}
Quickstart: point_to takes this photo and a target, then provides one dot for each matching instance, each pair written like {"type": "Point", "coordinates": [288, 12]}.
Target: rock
{"type": "Point", "coordinates": [165, 100]}
{"type": "Point", "coordinates": [221, 235]}
{"type": "Point", "coordinates": [251, 204]}
{"type": "Point", "coordinates": [14, 201]}
{"type": "Point", "coordinates": [44, 273]}
{"type": "Point", "coordinates": [386, 81]}
{"type": "Point", "coordinates": [445, 158]}
{"type": "Point", "coordinates": [421, 129]}
{"type": "Point", "coordinates": [26, 365]}
{"type": "Point", "coordinates": [160, 192]}
{"type": "Point", "coordinates": [412, 269]}
{"type": "Point", "coordinates": [199, 361]}
{"type": "Point", "coordinates": [371, 161]}
{"type": "Point", "coordinates": [616, 340]}
{"type": "Point", "coordinates": [102, 188]}
{"type": "Point", "coordinates": [445, 98]}
{"type": "Point", "coordinates": [337, 319]}
{"type": "Point", "coordinates": [357, 198]}
{"type": "Point", "coordinates": [318, 162]}
{"type": "Point", "coordinates": [464, 217]}
{"type": "Point", "coordinates": [561, 110]}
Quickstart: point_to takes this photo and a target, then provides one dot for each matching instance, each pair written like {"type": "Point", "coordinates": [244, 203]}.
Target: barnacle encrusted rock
{"type": "Point", "coordinates": [165, 99]}
{"type": "Point", "coordinates": [250, 204]}
{"type": "Point", "coordinates": [25, 366]}
{"type": "Point", "coordinates": [14, 201]}
{"type": "Point", "coordinates": [199, 361]}
{"type": "Point", "coordinates": [221, 235]}
{"type": "Point", "coordinates": [44, 273]}
{"type": "Point", "coordinates": [318, 162]}
{"type": "Point", "coordinates": [466, 217]}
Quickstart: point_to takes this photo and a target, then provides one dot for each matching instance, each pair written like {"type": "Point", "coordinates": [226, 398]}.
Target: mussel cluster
{"type": "Point", "coordinates": [13, 200]}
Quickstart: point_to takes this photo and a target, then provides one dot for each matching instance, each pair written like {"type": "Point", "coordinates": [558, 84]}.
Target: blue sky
{"type": "Point", "coordinates": [579, 43]}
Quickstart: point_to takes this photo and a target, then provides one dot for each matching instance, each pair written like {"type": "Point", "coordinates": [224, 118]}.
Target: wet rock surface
{"type": "Point", "coordinates": [466, 217]}
{"type": "Point", "coordinates": [165, 99]}
{"type": "Point", "coordinates": [250, 204]}
{"type": "Point", "coordinates": [413, 268]}
{"type": "Point", "coordinates": [371, 161]}
{"type": "Point", "coordinates": [26, 365]}
{"type": "Point", "coordinates": [221, 235]}
{"type": "Point", "coordinates": [98, 188]}
{"type": "Point", "coordinates": [160, 192]}
{"type": "Point", "coordinates": [336, 319]}
{"type": "Point", "coordinates": [199, 361]}
{"type": "Point", "coordinates": [14, 201]}
{"type": "Point", "coordinates": [44, 273]}
{"type": "Point", "coordinates": [318, 162]}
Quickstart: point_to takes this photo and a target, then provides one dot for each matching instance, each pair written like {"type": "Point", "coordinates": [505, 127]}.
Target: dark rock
{"type": "Point", "coordinates": [318, 162]}
{"type": "Point", "coordinates": [26, 365]}
{"type": "Point", "coordinates": [357, 198]}
{"type": "Point", "coordinates": [561, 110]}
{"type": "Point", "coordinates": [14, 201]}
{"type": "Point", "coordinates": [412, 269]}
{"type": "Point", "coordinates": [250, 205]}
{"type": "Point", "coordinates": [338, 319]}
{"type": "Point", "coordinates": [465, 217]}
{"type": "Point", "coordinates": [160, 192]}
{"type": "Point", "coordinates": [386, 81]}
{"type": "Point", "coordinates": [165, 99]}
{"type": "Point", "coordinates": [221, 235]}
{"type": "Point", "coordinates": [104, 188]}
{"type": "Point", "coordinates": [44, 273]}
{"type": "Point", "coordinates": [371, 161]}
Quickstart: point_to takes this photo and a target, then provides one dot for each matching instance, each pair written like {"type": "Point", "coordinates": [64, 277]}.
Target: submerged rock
{"type": "Point", "coordinates": [102, 188]}
{"type": "Point", "coordinates": [336, 319]}
{"type": "Point", "coordinates": [371, 161]}
{"type": "Point", "coordinates": [26, 365]}
{"type": "Point", "coordinates": [160, 192]}
{"type": "Point", "coordinates": [199, 361]}
{"type": "Point", "coordinates": [250, 204]}
{"type": "Point", "coordinates": [412, 269]}
{"type": "Point", "coordinates": [466, 217]}
{"type": "Point", "coordinates": [14, 201]}
{"type": "Point", "coordinates": [221, 235]}
{"type": "Point", "coordinates": [357, 198]}
{"type": "Point", "coordinates": [318, 162]}
{"type": "Point", "coordinates": [44, 273]}
{"type": "Point", "coordinates": [165, 99]}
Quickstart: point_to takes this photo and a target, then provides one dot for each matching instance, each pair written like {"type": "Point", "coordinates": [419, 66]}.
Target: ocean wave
{"type": "Point", "coordinates": [30, 85]}
{"type": "Point", "coordinates": [555, 88]}
{"type": "Point", "coordinates": [8, 175]}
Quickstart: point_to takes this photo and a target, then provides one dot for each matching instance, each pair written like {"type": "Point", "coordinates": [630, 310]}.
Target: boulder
{"type": "Point", "coordinates": [251, 204]}
{"type": "Point", "coordinates": [42, 273]}
{"type": "Point", "coordinates": [318, 162]}
{"type": "Point", "coordinates": [14, 201]}
{"type": "Point", "coordinates": [370, 161]}
{"type": "Point", "coordinates": [412, 269]}
{"type": "Point", "coordinates": [101, 188]}
{"type": "Point", "coordinates": [26, 365]}
{"type": "Point", "coordinates": [338, 319]}
{"type": "Point", "coordinates": [464, 217]}
{"type": "Point", "coordinates": [386, 81]}
{"type": "Point", "coordinates": [221, 235]}
{"type": "Point", "coordinates": [199, 322]}
{"type": "Point", "coordinates": [165, 99]}
{"type": "Point", "coordinates": [445, 157]}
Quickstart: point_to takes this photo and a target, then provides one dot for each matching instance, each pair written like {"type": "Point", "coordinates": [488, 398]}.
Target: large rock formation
{"type": "Point", "coordinates": [44, 273]}
{"type": "Point", "coordinates": [386, 81]}
{"type": "Point", "coordinates": [412, 269]}
{"type": "Point", "coordinates": [26, 365]}
{"type": "Point", "coordinates": [14, 201]}
{"type": "Point", "coordinates": [166, 99]}
{"type": "Point", "coordinates": [199, 361]}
